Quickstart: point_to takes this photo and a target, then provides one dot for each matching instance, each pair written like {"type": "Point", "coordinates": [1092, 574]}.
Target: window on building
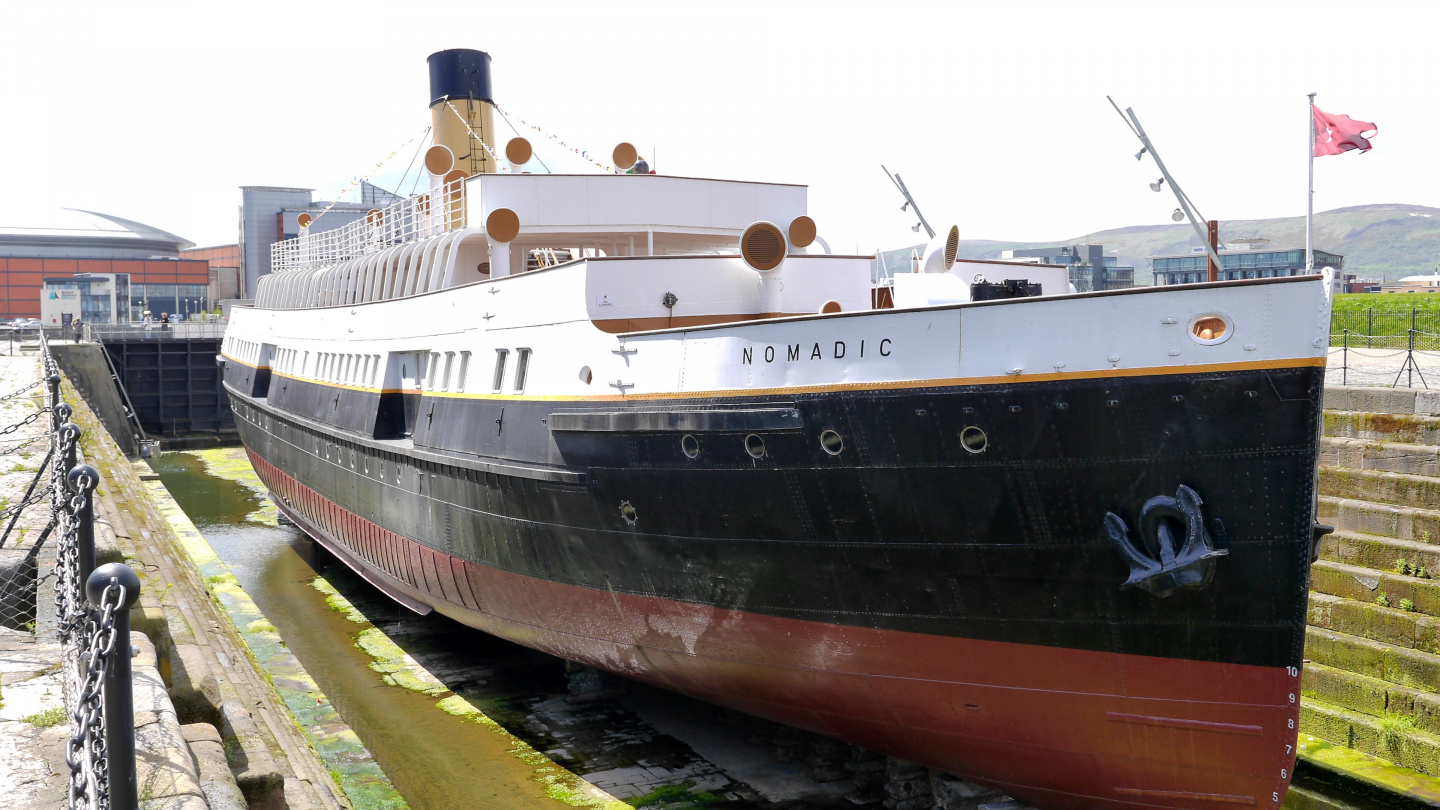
{"type": "Point", "coordinates": [464, 371]}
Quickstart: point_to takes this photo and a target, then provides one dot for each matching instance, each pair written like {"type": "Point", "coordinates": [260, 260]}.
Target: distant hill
{"type": "Point", "coordinates": [1385, 241]}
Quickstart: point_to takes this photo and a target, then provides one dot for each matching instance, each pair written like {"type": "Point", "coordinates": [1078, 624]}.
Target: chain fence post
{"type": "Point", "coordinates": [1369, 327]}
{"type": "Point", "coordinates": [83, 481]}
{"type": "Point", "coordinates": [54, 381]}
{"type": "Point", "coordinates": [119, 701]}
{"type": "Point", "coordinates": [1345, 359]}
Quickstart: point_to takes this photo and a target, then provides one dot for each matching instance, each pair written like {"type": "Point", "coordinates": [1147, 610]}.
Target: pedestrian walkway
{"type": "Point", "coordinates": [33, 727]}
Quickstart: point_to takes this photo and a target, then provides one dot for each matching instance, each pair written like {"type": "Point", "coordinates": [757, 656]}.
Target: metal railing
{"type": "Point", "coordinates": [1370, 329]}
{"type": "Point", "coordinates": [153, 331]}
{"type": "Point", "coordinates": [92, 605]}
{"type": "Point", "coordinates": [423, 215]}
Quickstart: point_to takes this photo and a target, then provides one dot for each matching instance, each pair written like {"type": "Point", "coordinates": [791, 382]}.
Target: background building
{"type": "Point", "coordinates": [144, 260]}
{"type": "Point", "coordinates": [1239, 259]}
{"type": "Point", "coordinates": [224, 261]}
{"type": "Point", "coordinates": [1090, 268]}
{"type": "Point", "coordinates": [270, 214]}
{"type": "Point", "coordinates": [91, 297]}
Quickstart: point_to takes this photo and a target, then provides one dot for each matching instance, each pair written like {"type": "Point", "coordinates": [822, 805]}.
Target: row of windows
{"type": "Point", "coordinates": [243, 350]}
{"type": "Point", "coordinates": [522, 369]}
{"type": "Point", "coordinates": [439, 371]}
{"type": "Point", "coordinates": [1282, 258]}
{"type": "Point", "coordinates": [1229, 275]}
{"type": "Point", "coordinates": [347, 369]}
{"type": "Point", "coordinates": [362, 370]}
{"type": "Point", "coordinates": [442, 370]}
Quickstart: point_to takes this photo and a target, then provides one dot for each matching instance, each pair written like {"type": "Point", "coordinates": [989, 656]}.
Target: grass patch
{"type": "Point", "coordinates": [337, 602]}
{"type": "Point", "coordinates": [1394, 728]}
{"type": "Point", "coordinates": [47, 718]}
{"type": "Point", "coordinates": [1362, 303]}
{"type": "Point", "coordinates": [390, 662]}
{"type": "Point", "coordinates": [261, 626]}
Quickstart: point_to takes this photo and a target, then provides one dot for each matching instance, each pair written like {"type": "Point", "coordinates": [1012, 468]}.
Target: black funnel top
{"type": "Point", "coordinates": [459, 73]}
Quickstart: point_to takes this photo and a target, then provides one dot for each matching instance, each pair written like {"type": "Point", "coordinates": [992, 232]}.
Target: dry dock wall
{"type": "Point", "coordinates": [206, 669]}
{"type": "Point", "coordinates": [1370, 705]}
{"type": "Point", "coordinates": [85, 367]}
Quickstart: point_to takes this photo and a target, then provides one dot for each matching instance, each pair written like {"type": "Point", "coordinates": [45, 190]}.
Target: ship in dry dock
{"type": "Point", "coordinates": [1055, 543]}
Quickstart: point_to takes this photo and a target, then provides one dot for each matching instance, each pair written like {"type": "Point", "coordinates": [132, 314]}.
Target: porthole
{"type": "Point", "coordinates": [690, 446]}
{"type": "Point", "coordinates": [974, 440]}
{"type": "Point", "coordinates": [585, 375]}
{"type": "Point", "coordinates": [628, 513]}
{"type": "Point", "coordinates": [755, 446]}
{"type": "Point", "coordinates": [831, 442]}
{"type": "Point", "coordinates": [1210, 329]}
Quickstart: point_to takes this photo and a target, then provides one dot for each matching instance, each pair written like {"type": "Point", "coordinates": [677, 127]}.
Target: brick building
{"type": "Point", "coordinates": [70, 243]}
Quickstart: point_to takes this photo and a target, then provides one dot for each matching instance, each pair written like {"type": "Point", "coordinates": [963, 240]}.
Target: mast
{"type": "Point", "coordinates": [909, 202]}
{"type": "Point", "coordinates": [1185, 204]}
{"type": "Point", "coordinates": [1310, 198]}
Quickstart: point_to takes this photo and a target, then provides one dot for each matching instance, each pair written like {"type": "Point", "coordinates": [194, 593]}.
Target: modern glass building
{"type": "Point", "coordinates": [1239, 264]}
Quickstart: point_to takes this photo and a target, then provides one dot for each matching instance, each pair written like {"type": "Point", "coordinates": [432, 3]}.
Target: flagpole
{"type": "Point", "coordinates": [1310, 198]}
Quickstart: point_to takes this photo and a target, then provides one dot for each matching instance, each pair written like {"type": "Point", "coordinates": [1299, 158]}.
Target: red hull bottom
{"type": "Point", "coordinates": [1056, 727]}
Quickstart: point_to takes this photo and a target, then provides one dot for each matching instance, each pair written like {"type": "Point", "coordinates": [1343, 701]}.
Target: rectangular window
{"type": "Point", "coordinates": [375, 373]}
{"type": "Point", "coordinates": [522, 365]}
{"type": "Point", "coordinates": [464, 370]}
{"type": "Point", "coordinates": [499, 381]}
{"type": "Point", "coordinates": [449, 367]}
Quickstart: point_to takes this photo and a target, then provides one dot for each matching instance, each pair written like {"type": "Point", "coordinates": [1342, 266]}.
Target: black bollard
{"type": "Point", "coordinates": [83, 480]}
{"type": "Point", "coordinates": [119, 701]}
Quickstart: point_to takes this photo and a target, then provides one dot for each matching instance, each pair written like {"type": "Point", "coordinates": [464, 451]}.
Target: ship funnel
{"type": "Point", "coordinates": [460, 109]}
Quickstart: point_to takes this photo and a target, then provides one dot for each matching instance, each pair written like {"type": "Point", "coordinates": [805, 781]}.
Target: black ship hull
{"type": "Point", "coordinates": [956, 601]}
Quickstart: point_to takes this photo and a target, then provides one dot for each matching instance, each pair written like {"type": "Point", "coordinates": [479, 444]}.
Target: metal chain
{"type": "Point", "coordinates": [69, 601]}
{"type": "Point", "coordinates": [10, 511]}
{"type": "Point", "coordinates": [85, 753]}
{"type": "Point", "coordinates": [87, 635]}
{"type": "Point", "coordinates": [27, 420]}
{"type": "Point", "coordinates": [29, 387]}
{"type": "Point", "coordinates": [21, 446]}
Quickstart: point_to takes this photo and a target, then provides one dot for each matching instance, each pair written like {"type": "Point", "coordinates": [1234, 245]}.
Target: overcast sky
{"type": "Point", "coordinates": [994, 113]}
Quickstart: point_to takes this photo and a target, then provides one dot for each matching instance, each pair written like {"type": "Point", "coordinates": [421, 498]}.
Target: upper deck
{"type": "Point", "coordinates": [687, 230]}
{"type": "Point", "coordinates": [618, 215]}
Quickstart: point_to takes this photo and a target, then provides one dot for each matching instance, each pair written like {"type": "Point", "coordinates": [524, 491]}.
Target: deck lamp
{"type": "Point", "coordinates": [1155, 186]}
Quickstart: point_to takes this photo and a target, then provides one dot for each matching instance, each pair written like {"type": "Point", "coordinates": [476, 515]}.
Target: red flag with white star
{"type": "Point", "coordinates": [1340, 133]}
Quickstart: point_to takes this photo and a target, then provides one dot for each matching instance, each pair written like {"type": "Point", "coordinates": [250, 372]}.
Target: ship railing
{"type": "Point", "coordinates": [423, 215]}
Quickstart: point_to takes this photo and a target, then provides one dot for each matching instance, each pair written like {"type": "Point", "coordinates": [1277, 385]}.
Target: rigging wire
{"type": "Point", "coordinates": [517, 134]}
{"type": "Point", "coordinates": [400, 185]}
